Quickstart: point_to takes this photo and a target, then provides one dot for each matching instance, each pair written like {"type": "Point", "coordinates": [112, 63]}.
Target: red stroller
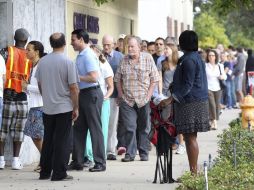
{"type": "Point", "coordinates": [163, 136]}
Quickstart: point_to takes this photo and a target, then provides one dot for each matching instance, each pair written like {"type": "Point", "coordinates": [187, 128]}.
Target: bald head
{"type": "Point", "coordinates": [108, 38]}
{"type": "Point", "coordinates": [57, 40]}
{"type": "Point", "coordinates": [107, 43]}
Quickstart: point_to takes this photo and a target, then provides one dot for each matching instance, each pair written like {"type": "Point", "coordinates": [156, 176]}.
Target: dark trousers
{"type": "Point", "coordinates": [120, 132]}
{"type": "Point", "coordinates": [56, 145]}
{"type": "Point", "coordinates": [135, 119]}
{"type": "Point", "coordinates": [90, 104]}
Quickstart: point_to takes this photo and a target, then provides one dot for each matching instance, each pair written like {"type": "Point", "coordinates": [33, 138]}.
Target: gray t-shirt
{"type": "Point", "coordinates": [55, 73]}
{"type": "Point", "coordinates": [166, 80]}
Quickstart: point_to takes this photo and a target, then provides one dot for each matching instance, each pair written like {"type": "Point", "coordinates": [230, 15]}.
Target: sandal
{"type": "Point", "coordinates": [37, 169]}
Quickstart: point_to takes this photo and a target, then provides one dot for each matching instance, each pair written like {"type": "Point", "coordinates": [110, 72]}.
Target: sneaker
{"type": "Point", "coordinates": [88, 164]}
{"type": "Point", "coordinates": [37, 169]}
{"type": "Point", "coordinates": [16, 165]}
{"type": "Point", "coordinates": [111, 157]}
{"type": "Point", "coordinates": [181, 149]}
{"type": "Point", "coordinates": [143, 157]}
{"type": "Point", "coordinates": [98, 168]}
{"type": "Point", "coordinates": [2, 164]}
{"type": "Point", "coordinates": [74, 166]}
{"type": "Point", "coordinates": [127, 158]}
{"type": "Point", "coordinates": [121, 150]}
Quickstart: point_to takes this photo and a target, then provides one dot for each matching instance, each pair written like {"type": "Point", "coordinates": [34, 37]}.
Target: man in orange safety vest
{"type": "Point", "coordinates": [15, 106]}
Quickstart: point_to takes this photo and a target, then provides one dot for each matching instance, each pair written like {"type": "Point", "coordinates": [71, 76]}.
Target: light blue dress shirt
{"type": "Point", "coordinates": [87, 62]}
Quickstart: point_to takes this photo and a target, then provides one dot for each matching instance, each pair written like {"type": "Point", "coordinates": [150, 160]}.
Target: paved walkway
{"type": "Point", "coordinates": [119, 176]}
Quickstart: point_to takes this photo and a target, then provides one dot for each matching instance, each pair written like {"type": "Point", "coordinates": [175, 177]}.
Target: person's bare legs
{"type": "Point", "coordinates": [1, 148]}
{"type": "Point", "coordinates": [240, 96]}
{"type": "Point", "coordinates": [16, 148]}
{"type": "Point", "coordinates": [38, 144]}
{"type": "Point", "coordinates": [192, 151]}
{"type": "Point", "coordinates": [181, 140]}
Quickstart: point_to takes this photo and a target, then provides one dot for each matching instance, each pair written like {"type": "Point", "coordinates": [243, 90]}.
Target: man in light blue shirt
{"type": "Point", "coordinates": [88, 57]}
{"type": "Point", "coordinates": [90, 104]}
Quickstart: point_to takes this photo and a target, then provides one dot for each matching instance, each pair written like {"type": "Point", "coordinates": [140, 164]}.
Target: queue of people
{"type": "Point", "coordinates": [98, 107]}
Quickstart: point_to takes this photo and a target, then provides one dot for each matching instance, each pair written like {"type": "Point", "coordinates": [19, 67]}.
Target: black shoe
{"type": "Point", "coordinates": [98, 168]}
{"type": "Point", "coordinates": [88, 164]}
{"type": "Point", "coordinates": [66, 178]}
{"type": "Point", "coordinates": [111, 157]}
{"type": "Point", "coordinates": [127, 158]}
{"type": "Point", "coordinates": [44, 177]}
{"type": "Point", "coordinates": [143, 158]}
{"type": "Point", "coordinates": [73, 166]}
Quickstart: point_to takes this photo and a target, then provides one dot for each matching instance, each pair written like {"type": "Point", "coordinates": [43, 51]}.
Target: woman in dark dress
{"type": "Point", "coordinates": [190, 96]}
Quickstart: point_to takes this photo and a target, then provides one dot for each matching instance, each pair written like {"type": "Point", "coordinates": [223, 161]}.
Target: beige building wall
{"type": "Point", "coordinates": [114, 18]}
{"type": "Point", "coordinates": [162, 18]}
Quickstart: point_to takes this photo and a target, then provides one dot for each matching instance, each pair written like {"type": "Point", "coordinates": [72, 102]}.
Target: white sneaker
{"type": "Point", "coordinates": [16, 165]}
{"type": "Point", "coordinates": [2, 164]}
{"type": "Point", "coordinates": [181, 149]}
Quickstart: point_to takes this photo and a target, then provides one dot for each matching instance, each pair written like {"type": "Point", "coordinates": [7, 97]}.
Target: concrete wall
{"type": "Point", "coordinates": [5, 23]}
{"type": "Point", "coordinates": [114, 18]}
{"type": "Point", "coordinates": [153, 17]}
{"type": "Point", "coordinates": [44, 17]}
{"type": "Point", "coordinates": [40, 17]}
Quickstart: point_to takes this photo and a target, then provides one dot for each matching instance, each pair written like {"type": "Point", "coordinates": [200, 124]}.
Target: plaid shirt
{"type": "Point", "coordinates": [136, 78]}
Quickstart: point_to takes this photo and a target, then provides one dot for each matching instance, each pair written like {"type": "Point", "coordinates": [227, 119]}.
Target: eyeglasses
{"type": "Point", "coordinates": [211, 55]}
{"type": "Point", "coordinates": [159, 44]}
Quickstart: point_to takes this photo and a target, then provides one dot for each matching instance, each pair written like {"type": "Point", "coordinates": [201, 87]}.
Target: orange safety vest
{"type": "Point", "coordinates": [17, 68]}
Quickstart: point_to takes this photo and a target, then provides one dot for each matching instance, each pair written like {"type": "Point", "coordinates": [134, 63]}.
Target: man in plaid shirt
{"type": "Point", "coordinates": [136, 77]}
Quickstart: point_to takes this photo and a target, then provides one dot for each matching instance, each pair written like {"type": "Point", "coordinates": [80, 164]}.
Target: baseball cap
{"type": "Point", "coordinates": [21, 34]}
{"type": "Point", "coordinates": [121, 36]}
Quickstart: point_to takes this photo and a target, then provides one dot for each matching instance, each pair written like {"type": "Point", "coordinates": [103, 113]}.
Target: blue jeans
{"type": "Point", "coordinates": [231, 97]}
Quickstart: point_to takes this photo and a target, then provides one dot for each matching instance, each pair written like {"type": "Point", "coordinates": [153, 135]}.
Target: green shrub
{"type": "Point", "coordinates": [227, 174]}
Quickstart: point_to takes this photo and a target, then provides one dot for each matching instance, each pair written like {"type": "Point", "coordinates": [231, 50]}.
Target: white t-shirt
{"type": "Point", "coordinates": [212, 74]}
{"type": "Point", "coordinates": [2, 72]}
{"type": "Point", "coordinates": [34, 96]}
{"type": "Point", "coordinates": [105, 72]}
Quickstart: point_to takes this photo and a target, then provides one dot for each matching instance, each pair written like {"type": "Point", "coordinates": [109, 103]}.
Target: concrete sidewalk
{"type": "Point", "coordinates": [135, 175]}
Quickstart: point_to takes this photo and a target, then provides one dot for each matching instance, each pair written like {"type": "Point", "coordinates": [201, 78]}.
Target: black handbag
{"type": "Point", "coordinates": [222, 82]}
